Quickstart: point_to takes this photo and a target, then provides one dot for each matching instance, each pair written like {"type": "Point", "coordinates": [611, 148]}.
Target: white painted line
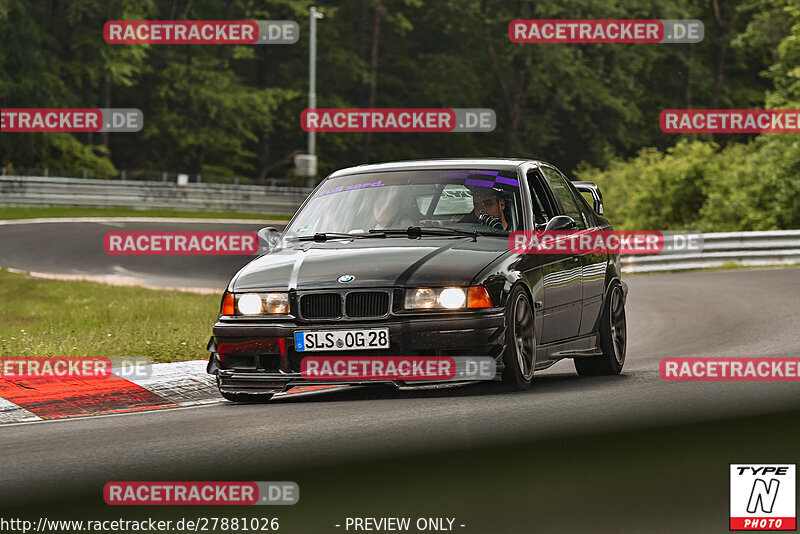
{"type": "Point", "coordinates": [116, 280]}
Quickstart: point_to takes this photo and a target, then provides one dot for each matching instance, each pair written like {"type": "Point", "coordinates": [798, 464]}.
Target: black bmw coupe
{"type": "Point", "coordinates": [413, 259]}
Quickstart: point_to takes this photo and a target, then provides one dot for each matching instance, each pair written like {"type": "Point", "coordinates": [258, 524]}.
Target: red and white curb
{"type": "Point", "coordinates": [11, 413]}
{"type": "Point", "coordinates": [170, 385]}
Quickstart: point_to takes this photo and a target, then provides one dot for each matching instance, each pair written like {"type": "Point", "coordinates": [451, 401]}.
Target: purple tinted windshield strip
{"type": "Point", "coordinates": [489, 173]}
{"type": "Point", "coordinates": [480, 183]}
{"type": "Point", "coordinates": [507, 181]}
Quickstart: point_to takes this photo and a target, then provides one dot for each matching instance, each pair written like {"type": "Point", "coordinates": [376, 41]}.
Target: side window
{"type": "Point", "coordinates": [542, 210]}
{"type": "Point", "coordinates": [564, 195]}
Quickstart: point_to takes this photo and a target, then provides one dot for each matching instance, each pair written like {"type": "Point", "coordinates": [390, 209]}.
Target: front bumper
{"type": "Point", "coordinates": [259, 357]}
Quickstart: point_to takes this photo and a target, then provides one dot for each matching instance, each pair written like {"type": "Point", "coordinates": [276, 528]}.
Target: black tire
{"type": "Point", "coordinates": [252, 398]}
{"type": "Point", "coordinates": [519, 357]}
{"type": "Point", "coordinates": [613, 339]}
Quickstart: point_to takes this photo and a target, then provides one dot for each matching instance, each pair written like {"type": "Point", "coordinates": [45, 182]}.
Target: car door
{"type": "Point", "coordinates": [561, 273]}
{"type": "Point", "coordinates": [593, 267]}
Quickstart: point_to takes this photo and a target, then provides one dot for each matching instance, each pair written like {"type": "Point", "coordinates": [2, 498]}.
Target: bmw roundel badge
{"type": "Point", "coordinates": [346, 278]}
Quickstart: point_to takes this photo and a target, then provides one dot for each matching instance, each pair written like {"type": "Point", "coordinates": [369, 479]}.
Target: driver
{"type": "Point", "coordinates": [489, 207]}
{"type": "Point", "coordinates": [392, 208]}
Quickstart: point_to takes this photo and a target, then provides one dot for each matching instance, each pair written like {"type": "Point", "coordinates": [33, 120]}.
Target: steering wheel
{"type": "Point", "coordinates": [492, 222]}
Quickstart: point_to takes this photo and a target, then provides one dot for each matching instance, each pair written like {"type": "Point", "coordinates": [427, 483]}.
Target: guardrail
{"type": "Point", "coordinates": [56, 191]}
{"type": "Point", "coordinates": [779, 247]}
{"type": "Point", "coordinates": [775, 247]}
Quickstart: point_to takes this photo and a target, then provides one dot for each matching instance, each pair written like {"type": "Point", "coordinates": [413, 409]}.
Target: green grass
{"type": "Point", "coordinates": [57, 318]}
{"type": "Point", "coordinates": [27, 212]}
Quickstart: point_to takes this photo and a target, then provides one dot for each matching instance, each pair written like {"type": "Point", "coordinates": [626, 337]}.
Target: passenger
{"type": "Point", "coordinates": [394, 208]}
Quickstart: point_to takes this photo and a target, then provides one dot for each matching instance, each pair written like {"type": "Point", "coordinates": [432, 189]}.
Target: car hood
{"type": "Point", "coordinates": [429, 261]}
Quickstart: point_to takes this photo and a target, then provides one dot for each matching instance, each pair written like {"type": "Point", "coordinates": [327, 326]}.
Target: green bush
{"type": "Point", "coordinates": [656, 190]}
{"type": "Point", "coordinates": [697, 185]}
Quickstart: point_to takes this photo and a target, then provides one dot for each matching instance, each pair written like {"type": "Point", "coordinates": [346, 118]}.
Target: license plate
{"type": "Point", "coordinates": [368, 339]}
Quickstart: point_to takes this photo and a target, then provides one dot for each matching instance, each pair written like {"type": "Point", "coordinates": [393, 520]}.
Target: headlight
{"type": "Point", "coordinates": [276, 303]}
{"type": "Point", "coordinates": [449, 298]}
{"type": "Point", "coordinates": [256, 304]}
{"type": "Point", "coordinates": [250, 304]}
{"type": "Point", "coordinates": [420, 298]}
{"type": "Point", "coordinates": [452, 298]}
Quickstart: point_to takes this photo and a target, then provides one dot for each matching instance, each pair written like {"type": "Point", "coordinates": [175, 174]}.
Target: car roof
{"type": "Point", "coordinates": [509, 164]}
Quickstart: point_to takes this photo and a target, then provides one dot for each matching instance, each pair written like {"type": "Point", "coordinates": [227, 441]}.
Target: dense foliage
{"type": "Point", "coordinates": [698, 184]}
{"type": "Point", "coordinates": [229, 110]}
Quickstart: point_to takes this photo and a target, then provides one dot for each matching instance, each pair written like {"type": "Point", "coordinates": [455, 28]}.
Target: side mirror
{"type": "Point", "coordinates": [268, 239]}
{"type": "Point", "coordinates": [560, 222]}
{"type": "Point", "coordinates": [592, 189]}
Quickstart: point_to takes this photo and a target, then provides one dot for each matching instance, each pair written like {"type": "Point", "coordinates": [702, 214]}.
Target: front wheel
{"type": "Point", "coordinates": [519, 358]}
{"type": "Point", "coordinates": [613, 339]}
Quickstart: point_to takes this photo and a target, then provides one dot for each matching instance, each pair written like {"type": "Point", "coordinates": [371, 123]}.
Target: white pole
{"type": "Point", "coordinates": [312, 73]}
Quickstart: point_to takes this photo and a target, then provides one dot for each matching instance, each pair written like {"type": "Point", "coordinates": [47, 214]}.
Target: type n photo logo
{"type": "Point", "coordinates": [763, 497]}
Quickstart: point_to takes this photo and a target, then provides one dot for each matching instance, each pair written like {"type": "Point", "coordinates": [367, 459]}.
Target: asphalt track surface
{"type": "Point", "coordinates": [715, 313]}
{"type": "Point", "coordinates": [76, 248]}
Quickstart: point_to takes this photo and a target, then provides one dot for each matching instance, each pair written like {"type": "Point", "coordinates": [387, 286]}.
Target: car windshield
{"type": "Point", "coordinates": [485, 201]}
